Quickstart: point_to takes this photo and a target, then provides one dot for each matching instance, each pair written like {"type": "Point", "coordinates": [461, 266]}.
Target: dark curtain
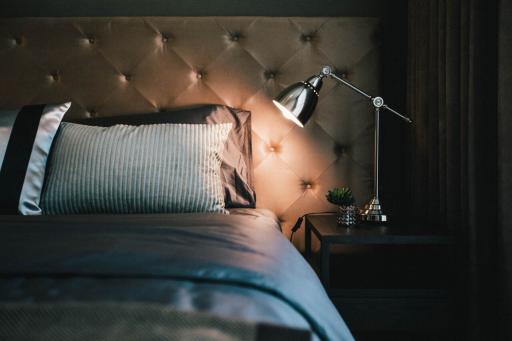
{"type": "Point", "coordinates": [505, 164]}
{"type": "Point", "coordinates": [452, 98]}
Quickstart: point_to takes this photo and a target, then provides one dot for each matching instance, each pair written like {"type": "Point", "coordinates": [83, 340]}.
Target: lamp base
{"type": "Point", "coordinates": [372, 212]}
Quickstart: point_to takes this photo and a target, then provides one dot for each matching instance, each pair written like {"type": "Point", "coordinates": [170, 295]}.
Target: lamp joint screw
{"type": "Point", "coordinates": [326, 70]}
{"type": "Point", "coordinates": [377, 102]}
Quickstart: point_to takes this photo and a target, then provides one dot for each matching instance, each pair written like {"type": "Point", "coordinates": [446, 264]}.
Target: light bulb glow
{"type": "Point", "coordinates": [287, 114]}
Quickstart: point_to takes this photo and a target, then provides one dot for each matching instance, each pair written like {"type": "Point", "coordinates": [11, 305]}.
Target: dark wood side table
{"type": "Point", "coordinates": [395, 305]}
{"type": "Point", "coordinates": [328, 233]}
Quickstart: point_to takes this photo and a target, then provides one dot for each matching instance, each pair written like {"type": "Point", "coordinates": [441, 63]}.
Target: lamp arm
{"type": "Point", "coordinates": [403, 117]}
{"type": "Point", "coordinates": [353, 87]}
{"type": "Point", "coordinates": [376, 101]}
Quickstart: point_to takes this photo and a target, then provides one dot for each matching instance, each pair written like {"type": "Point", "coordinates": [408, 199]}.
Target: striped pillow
{"type": "Point", "coordinates": [26, 135]}
{"type": "Point", "coordinates": [159, 168]}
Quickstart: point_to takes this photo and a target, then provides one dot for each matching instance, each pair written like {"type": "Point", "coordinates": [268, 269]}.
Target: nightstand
{"type": "Point", "coordinates": [401, 280]}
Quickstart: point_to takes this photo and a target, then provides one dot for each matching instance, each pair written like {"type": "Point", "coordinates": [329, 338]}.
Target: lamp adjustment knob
{"type": "Point", "coordinates": [326, 70]}
{"type": "Point", "coordinates": [378, 102]}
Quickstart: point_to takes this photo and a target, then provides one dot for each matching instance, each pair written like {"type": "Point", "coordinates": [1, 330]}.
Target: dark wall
{"type": "Point", "coordinates": [393, 14]}
{"type": "Point", "coordinates": [196, 7]}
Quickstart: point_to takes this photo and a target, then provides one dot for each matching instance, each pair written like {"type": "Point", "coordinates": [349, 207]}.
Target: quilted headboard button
{"type": "Point", "coordinates": [91, 40]}
{"type": "Point", "coordinates": [274, 148]}
{"type": "Point", "coordinates": [306, 184]}
{"type": "Point", "coordinates": [127, 77]}
{"type": "Point", "coordinates": [165, 38]}
{"type": "Point", "coordinates": [91, 113]}
{"type": "Point", "coordinates": [236, 36]}
{"type": "Point", "coordinates": [343, 72]}
{"type": "Point", "coordinates": [307, 37]}
{"type": "Point", "coordinates": [340, 150]}
{"type": "Point", "coordinates": [16, 41]}
{"type": "Point", "coordinates": [270, 74]}
{"type": "Point", "coordinates": [201, 74]}
{"type": "Point", "coordinates": [54, 76]}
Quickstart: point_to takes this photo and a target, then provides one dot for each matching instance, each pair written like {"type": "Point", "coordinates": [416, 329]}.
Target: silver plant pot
{"type": "Point", "coordinates": [346, 216]}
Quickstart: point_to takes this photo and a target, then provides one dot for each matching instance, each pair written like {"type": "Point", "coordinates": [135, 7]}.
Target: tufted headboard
{"type": "Point", "coordinates": [115, 66]}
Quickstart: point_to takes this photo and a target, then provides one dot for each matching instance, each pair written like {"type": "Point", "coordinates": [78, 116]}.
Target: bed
{"type": "Point", "coordinates": [233, 275]}
{"type": "Point", "coordinates": [245, 269]}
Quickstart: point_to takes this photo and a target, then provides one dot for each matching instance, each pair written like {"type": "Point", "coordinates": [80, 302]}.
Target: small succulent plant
{"type": "Point", "coordinates": [340, 196]}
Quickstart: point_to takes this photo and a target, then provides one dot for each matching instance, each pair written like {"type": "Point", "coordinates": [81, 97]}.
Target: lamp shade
{"type": "Point", "coordinates": [298, 101]}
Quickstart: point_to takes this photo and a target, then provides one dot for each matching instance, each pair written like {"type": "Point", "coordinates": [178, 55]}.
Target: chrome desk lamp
{"type": "Point", "coordinates": [297, 103]}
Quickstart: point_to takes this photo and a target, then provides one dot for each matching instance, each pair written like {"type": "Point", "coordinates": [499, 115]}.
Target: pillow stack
{"type": "Point", "coordinates": [197, 159]}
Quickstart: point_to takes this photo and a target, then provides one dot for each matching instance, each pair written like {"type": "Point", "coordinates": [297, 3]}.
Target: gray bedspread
{"type": "Point", "coordinates": [237, 266]}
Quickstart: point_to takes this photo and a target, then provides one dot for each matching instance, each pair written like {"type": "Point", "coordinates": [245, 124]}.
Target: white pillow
{"type": "Point", "coordinates": [26, 136]}
{"type": "Point", "coordinates": [159, 168]}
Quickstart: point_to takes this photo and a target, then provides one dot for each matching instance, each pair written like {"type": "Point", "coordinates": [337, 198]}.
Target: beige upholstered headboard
{"type": "Point", "coordinates": [114, 66]}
